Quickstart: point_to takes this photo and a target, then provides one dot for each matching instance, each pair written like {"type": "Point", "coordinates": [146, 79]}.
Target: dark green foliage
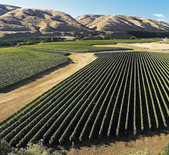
{"type": "Point", "coordinates": [148, 34]}
{"type": "Point", "coordinates": [5, 148]}
{"type": "Point", "coordinates": [29, 41]}
{"type": "Point", "coordinates": [31, 149]}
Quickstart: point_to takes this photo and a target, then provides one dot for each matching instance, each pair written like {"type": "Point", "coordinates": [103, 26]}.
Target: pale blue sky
{"type": "Point", "coordinates": [155, 9]}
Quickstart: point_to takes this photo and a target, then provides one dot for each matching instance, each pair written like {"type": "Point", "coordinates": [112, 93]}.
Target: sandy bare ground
{"type": "Point", "coordinates": [151, 47]}
{"type": "Point", "coordinates": [12, 101]}
{"type": "Point", "coordinates": [153, 145]}
{"type": "Point", "coordinates": [154, 47]}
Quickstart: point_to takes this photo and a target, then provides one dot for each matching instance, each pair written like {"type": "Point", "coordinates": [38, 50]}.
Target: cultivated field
{"type": "Point", "coordinates": [117, 95]}
{"type": "Point", "coordinates": [11, 101]}
{"type": "Point", "coordinates": [17, 64]}
{"type": "Point", "coordinates": [22, 63]}
{"type": "Point", "coordinates": [86, 45]}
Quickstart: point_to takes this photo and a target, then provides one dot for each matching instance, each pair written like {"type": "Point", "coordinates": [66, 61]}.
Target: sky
{"type": "Point", "coordinates": [153, 9]}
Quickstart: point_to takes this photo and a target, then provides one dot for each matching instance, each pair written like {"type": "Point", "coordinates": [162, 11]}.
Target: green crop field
{"type": "Point", "coordinates": [17, 64]}
{"type": "Point", "coordinates": [117, 95]}
{"type": "Point", "coordinates": [86, 45]}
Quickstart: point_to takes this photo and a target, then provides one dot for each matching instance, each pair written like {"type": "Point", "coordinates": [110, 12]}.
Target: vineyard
{"type": "Point", "coordinates": [18, 64]}
{"type": "Point", "coordinates": [118, 94]}
{"type": "Point", "coordinates": [87, 45]}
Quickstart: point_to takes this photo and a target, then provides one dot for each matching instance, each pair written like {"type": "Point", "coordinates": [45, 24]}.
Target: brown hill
{"type": "Point", "coordinates": [6, 8]}
{"type": "Point", "coordinates": [38, 22]}
{"type": "Point", "coordinates": [19, 22]}
{"type": "Point", "coordinates": [87, 19]}
{"type": "Point", "coordinates": [121, 23]}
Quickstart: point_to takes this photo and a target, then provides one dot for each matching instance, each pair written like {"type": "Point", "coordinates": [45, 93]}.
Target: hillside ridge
{"type": "Point", "coordinates": [20, 22]}
{"type": "Point", "coordinates": [121, 23]}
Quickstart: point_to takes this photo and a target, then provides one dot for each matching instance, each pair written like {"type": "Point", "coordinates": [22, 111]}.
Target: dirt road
{"type": "Point", "coordinates": [12, 101]}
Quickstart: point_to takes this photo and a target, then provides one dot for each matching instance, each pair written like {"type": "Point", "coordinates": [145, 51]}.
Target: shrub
{"type": "Point", "coordinates": [37, 149]}
{"type": "Point", "coordinates": [31, 149]}
{"type": "Point", "coordinates": [165, 150]}
{"type": "Point", "coordinates": [132, 37]}
{"type": "Point", "coordinates": [4, 148]}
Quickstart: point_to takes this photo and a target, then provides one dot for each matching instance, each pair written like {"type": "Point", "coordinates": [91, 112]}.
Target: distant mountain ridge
{"type": "Point", "coordinates": [39, 22]}
{"type": "Point", "coordinates": [21, 22]}
{"type": "Point", "coordinates": [6, 8]}
{"type": "Point", "coordinates": [121, 23]}
{"type": "Point", "coordinates": [87, 19]}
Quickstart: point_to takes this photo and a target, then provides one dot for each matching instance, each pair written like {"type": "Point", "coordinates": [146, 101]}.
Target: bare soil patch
{"type": "Point", "coordinates": [153, 145]}
{"type": "Point", "coordinates": [151, 47]}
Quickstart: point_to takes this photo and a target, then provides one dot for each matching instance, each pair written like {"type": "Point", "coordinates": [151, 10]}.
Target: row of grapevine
{"type": "Point", "coordinates": [18, 64]}
{"type": "Point", "coordinates": [118, 94]}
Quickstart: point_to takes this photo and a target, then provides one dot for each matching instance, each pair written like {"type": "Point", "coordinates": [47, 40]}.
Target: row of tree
{"type": "Point", "coordinates": [28, 41]}
{"type": "Point", "coordinates": [148, 34]}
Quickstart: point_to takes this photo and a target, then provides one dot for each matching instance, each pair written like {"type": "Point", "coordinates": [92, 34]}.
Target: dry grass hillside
{"type": "Point", "coordinates": [22, 22]}
{"type": "Point", "coordinates": [87, 19]}
{"type": "Point", "coordinates": [6, 8]}
{"type": "Point", "coordinates": [121, 23]}
{"type": "Point", "coordinates": [39, 22]}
